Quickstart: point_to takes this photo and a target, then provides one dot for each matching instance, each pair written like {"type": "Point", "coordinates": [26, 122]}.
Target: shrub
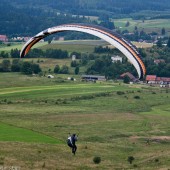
{"type": "Point", "coordinates": [126, 97]}
{"type": "Point", "coordinates": [64, 101]}
{"type": "Point", "coordinates": [9, 102]}
{"type": "Point", "coordinates": [43, 166]}
{"type": "Point", "coordinates": [156, 160]}
{"type": "Point", "coordinates": [135, 166]}
{"type": "Point", "coordinates": [120, 92]}
{"type": "Point", "coordinates": [5, 100]}
{"type": "Point", "coordinates": [2, 161]}
{"type": "Point", "coordinates": [130, 159]}
{"type": "Point", "coordinates": [96, 159]}
{"type": "Point", "coordinates": [136, 97]}
{"type": "Point", "coordinates": [126, 79]}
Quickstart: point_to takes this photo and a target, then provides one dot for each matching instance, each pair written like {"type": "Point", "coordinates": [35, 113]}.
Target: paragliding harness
{"type": "Point", "coordinates": [71, 143]}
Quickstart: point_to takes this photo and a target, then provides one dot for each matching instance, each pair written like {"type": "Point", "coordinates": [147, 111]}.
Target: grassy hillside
{"type": "Point", "coordinates": [111, 122]}
{"type": "Point", "coordinates": [149, 26]}
{"type": "Point", "coordinates": [19, 46]}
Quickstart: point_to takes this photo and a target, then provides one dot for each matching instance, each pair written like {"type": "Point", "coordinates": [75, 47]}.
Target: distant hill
{"type": "Point", "coordinates": [19, 17]}
{"type": "Point", "coordinates": [94, 6]}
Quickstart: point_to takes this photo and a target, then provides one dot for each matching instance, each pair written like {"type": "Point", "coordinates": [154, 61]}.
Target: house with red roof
{"type": "Point", "coordinates": [157, 61]}
{"type": "Point", "coordinates": [131, 76]}
{"type": "Point", "coordinates": [153, 79]}
{"type": "Point", "coordinates": [163, 80]}
{"type": "Point", "coordinates": [3, 38]}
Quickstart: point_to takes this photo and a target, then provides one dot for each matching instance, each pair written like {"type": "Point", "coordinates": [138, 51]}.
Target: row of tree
{"type": "Point", "coordinates": [29, 68]}
{"type": "Point", "coordinates": [19, 66]}
{"type": "Point", "coordinates": [36, 53]}
{"type": "Point", "coordinates": [64, 69]}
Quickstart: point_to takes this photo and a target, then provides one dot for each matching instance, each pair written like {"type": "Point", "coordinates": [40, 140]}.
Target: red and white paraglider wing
{"type": "Point", "coordinates": [128, 49]}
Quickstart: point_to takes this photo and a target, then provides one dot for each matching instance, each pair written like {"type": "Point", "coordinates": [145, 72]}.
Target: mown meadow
{"type": "Point", "coordinates": [114, 121]}
{"type": "Point", "coordinates": [149, 25]}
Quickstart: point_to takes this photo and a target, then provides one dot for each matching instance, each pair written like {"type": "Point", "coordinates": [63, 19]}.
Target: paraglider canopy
{"type": "Point", "coordinates": [126, 47]}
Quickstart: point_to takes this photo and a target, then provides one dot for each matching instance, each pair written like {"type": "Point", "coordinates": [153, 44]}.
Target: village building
{"type": "Point", "coordinates": [21, 38]}
{"type": "Point", "coordinates": [61, 38]}
{"type": "Point", "coordinates": [3, 38]}
{"type": "Point", "coordinates": [131, 76]}
{"type": "Point", "coordinates": [73, 58]}
{"type": "Point", "coordinates": [26, 38]}
{"type": "Point", "coordinates": [151, 79]}
{"type": "Point", "coordinates": [157, 61]}
{"type": "Point", "coordinates": [93, 78]}
{"type": "Point", "coordinates": [162, 81]}
{"type": "Point", "coordinates": [116, 59]}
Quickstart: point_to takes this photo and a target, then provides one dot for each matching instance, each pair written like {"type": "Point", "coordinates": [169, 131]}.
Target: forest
{"type": "Point", "coordinates": [25, 18]}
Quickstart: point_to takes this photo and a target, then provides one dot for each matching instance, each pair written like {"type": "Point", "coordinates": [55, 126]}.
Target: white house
{"type": "Point", "coordinates": [73, 57]}
{"type": "Point", "coordinates": [116, 59]}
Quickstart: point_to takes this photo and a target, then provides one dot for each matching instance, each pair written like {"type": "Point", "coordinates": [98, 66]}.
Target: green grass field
{"type": "Point", "coordinates": [19, 46]}
{"type": "Point", "coordinates": [70, 45]}
{"type": "Point", "coordinates": [83, 46]}
{"type": "Point", "coordinates": [38, 113]}
{"type": "Point", "coordinates": [15, 134]}
{"type": "Point", "coordinates": [148, 25]}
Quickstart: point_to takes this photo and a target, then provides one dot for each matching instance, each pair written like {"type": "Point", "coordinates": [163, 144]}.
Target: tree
{"type": "Point", "coordinates": [26, 68]}
{"type": "Point", "coordinates": [3, 54]}
{"type": "Point", "coordinates": [64, 69]}
{"type": "Point", "coordinates": [84, 59]}
{"type": "Point", "coordinates": [108, 24]}
{"type": "Point", "coordinates": [35, 68]}
{"type": "Point", "coordinates": [74, 63]}
{"type": "Point", "coordinates": [77, 70]}
{"type": "Point", "coordinates": [159, 43]}
{"type": "Point", "coordinates": [49, 41]}
{"type": "Point", "coordinates": [6, 65]}
{"type": "Point", "coordinates": [15, 61]}
{"type": "Point", "coordinates": [55, 53]}
{"type": "Point", "coordinates": [168, 44]}
{"type": "Point", "coordinates": [163, 31]}
{"type": "Point", "coordinates": [15, 68]}
{"type": "Point", "coordinates": [130, 159]}
{"type": "Point", "coordinates": [127, 24]}
{"type": "Point", "coordinates": [15, 65]}
{"type": "Point", "coordinates": [126, 79]}
{"type": "Point", "coordinates": [56, 69]}
{"type": "Point", "coordinates": [15, 53]}
{"type": "Point", "coordinates": [142, 52]}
